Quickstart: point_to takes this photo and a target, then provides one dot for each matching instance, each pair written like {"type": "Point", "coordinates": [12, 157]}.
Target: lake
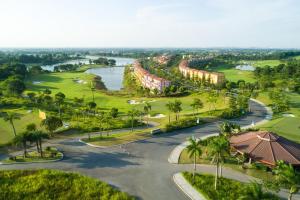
{"type": "Point", "coordinates": [111, 76]}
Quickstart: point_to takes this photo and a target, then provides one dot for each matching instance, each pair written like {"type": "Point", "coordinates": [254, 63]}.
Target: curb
{"type": "Point", "coordinates": [187, 188]}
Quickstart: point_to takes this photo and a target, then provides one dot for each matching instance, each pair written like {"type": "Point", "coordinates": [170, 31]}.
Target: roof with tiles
{"type": "Point", "coordinates": [267, 147]}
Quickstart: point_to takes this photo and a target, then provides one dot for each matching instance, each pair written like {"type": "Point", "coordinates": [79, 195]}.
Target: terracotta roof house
{"type": "Point", "coordinates": [267, 147]}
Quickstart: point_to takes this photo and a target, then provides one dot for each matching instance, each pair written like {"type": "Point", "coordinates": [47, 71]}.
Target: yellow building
{"type": "Point", "coordinates": [195, 74]}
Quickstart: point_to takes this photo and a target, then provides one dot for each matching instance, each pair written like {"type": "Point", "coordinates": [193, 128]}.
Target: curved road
{"type": "Point", "coordinates": [140, 168]}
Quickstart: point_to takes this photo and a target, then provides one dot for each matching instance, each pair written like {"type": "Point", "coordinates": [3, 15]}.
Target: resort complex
{"type": "Point", "coordinates": [148, 80]}
{"type": "Point", "coordinates": [195, 74]}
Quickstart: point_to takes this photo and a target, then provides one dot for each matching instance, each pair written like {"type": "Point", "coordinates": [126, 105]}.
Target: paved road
{"type": "Point", "coordinates": [140, 168]}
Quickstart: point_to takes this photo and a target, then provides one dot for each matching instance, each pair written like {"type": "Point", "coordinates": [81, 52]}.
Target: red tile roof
{"type": "Point", "coordinates": [267, 147]}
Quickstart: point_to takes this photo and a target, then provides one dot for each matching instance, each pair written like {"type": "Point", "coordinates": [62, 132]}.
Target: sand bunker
{"type": "Point", "coordinates": [288, 115]}
{"type": "Point", "coordinates": [37, 82]}
{"type": "Point", "coordinates": [81, 81]}
{"type": "Point", "coordinates": [157, 116]}
{"type": "Point", "coordinates": [134, 102]}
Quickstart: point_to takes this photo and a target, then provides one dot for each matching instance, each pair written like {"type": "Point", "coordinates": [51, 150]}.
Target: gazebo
{"type": "Point", "coordinates": [266, 147]}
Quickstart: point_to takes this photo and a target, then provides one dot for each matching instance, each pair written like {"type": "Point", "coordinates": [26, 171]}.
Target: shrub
{"type": "Point", "coordinates": [180, 124]}
{"type": "Point", "coordinates": [52, 184]}
{"type": "Point", "coordinates": [227, 188]}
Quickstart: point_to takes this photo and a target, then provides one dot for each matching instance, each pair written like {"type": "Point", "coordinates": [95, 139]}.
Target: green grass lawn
{"type": "Point", "coordinates": [53, 184]}
{"type": "Point", "coordinates": [288, 127]}
{"type": "Point", "coordinates": [64, 82]}
{"type": "Point", "coordinates": [6, 131]}
{"type": "Point", "coordinates": [119, 138]}
{"type": "Point", "coordinates": [263, 63]}
{"type": "Point", "coordinates": [234, 75]}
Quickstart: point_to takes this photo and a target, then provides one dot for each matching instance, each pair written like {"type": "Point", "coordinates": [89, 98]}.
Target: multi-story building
{"type": "Point", "coordinates": [213, 77]}
{"type": "Point", "coordinates": [148, 80]}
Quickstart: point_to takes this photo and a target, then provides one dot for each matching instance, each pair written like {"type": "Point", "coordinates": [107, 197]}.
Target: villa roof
{"type": "Point", "coordinates": [267, 147]}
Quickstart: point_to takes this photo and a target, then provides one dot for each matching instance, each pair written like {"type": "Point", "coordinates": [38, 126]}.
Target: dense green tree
{"type": "Point", "coordinates": [52, 123]}
{"type": "Point", "coordinates": [287, 177]}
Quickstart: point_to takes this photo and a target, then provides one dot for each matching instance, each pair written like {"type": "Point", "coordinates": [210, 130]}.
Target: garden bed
{"type": "Point", "coordinates": [227, 188]}
{"type": "Point", "coordinates": [49, 154]}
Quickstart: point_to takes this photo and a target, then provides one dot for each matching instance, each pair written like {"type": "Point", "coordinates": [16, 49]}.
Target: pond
{"type": "Point", "coordinates": [245, 67]}
{"type": "Point", "coordinates": [111, 76]}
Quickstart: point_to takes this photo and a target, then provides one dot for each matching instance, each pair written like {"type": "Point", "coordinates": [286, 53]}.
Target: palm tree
{"type": "Point", "coordinates": [38, 137]}
{"type": "Point", "coordinates": [194, 150]}
{"type": "Point", "coordinates": [255, 192]}
{"type": "Point", "coordinates": [147, 109]}
{"type": "Point", "coordinates": [51, 124]}
{"type": "Point", "coordinates": [132, 114]}
{"type": "Point", "coordinates": [92, 106]}
{"type": "Point", "coordinates": [59, 100]}
{"type": "Point", "coordinates": [170, 107]}
{"type": "Point", "coordinates": [286, 176]}
{"type": "Point", "coordinates": [228, 128]}
{"type": "Point", "coordinates": [177, 108]}
{"type": "Point", "coordinates": [22, 138]}
{"type": "Point", "coordinates": [10, 117]}
{"type": "Point", "coordinates": [218, 149]}
{"type": "Point", "coordinates": [197, 104]}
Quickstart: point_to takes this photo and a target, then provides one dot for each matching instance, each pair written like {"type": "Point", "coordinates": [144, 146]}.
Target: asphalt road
{"type": "Point", "coordinates": [140, 168]}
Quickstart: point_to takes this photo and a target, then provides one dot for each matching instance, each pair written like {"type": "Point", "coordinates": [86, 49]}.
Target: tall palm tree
{"type": "Point", "coordinates": [255, 192]}
{"type": "Point", "coordinates": [147, 109]}
{"type": "Point", "coordinates": [38, 137]}
{"type": "Point", "coordinates": [132, 114]}
{"type": "Point", "coordinates": [197, 104]}
{"type": "Point", "coordinates": [10, 117]}
{"type": "Point", "coordinates": [286, 176]}
{"type": "Point", "coordinates": [177, 108]}
{"type": "Point", "coordinates": [170, 107]}
{"type": "Point", "coordinates": [51, 124]}
{"type": "Point", "coordinates": [194, 150]}
{"type": "Point", "coordinates": [218, 149]}
{"type": "Point", "coordinates": [22, 138]}
{"type": "Point", "coordinates": [59, 100]}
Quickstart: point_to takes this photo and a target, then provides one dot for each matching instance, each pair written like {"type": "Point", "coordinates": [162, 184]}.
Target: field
{"type": "Point", "coordinates": [52, 184]}
{"type": "Point", "coordinates": [234, 75]}
{"type": "Point", "coordinates": [66, 83]}
{"type": "Point", "coordinates": [287, 126]}
{"type": "Point", "coordinates": [263, 63]}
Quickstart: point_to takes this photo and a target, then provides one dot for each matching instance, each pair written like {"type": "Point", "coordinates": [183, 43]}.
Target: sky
{"type": "Point", "coordinates": [155, 23]}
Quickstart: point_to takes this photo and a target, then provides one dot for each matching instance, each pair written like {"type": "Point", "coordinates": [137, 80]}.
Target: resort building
{"type": "Point", "coordinates": [212, 77]}
{"type": "Point", "coordinates": [148, 80]}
